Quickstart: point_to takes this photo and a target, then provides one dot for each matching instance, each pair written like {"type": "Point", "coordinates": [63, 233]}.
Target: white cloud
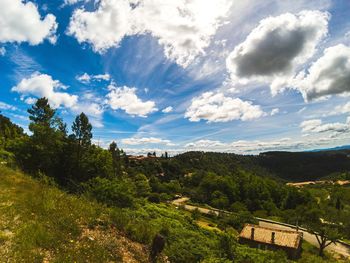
{"type": "Point", "coordinates": [167, 109]}
{"type": "Point", "coordinates": [310, 125]}
{"type": "Point", "coordinates": [42, 85]}
{"type": "Point", "coordinates": [2, 51]}
{"type": "Point", "coordinates": [86, 78]}
{"type": "Point", "coordinates": [125, 98]}
{"type": "Point", "coordinates": [205, 144]}
{"type": "Point", "coordinates": [103, 28]}
{"type": "Point", "coordinates": [183, 28]}
{"type": "Point", "coordinates": [340, 109]}
{"type": "Point", "coordinates": [276, 47]}
{"type": "Point", "coordinates": [21, 22]}
{"type": "Point", "coordinates": [275, 111]}
{"type": "Point", "coordinates": [258, 146]}
{"type": "Point", "coordinates": [149, 140]}
{"type": "Point", "coordinates": [329, 75]}
{"type": "Point", "coordinates": [71, 2]}
{"type": "Point", "coordinates": [216, 107]}
{"type": "Point", "coordinates": [30, 100]}
{"type": "Point", "coordinates": [92, 109]}
{"type": "Point", "coordinates": [144, 151]}
{"type": "Point", "coordinates": [5, 106]}
{"type": "Point", "coordinates": [316, 126]}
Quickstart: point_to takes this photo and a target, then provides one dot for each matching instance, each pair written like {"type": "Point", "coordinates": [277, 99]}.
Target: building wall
{"type": "Point", "coordinates": [292, 253]}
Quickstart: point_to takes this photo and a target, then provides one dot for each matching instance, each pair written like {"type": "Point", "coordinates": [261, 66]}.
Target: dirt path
{"type": "Point", "coordinates": [337, 247]}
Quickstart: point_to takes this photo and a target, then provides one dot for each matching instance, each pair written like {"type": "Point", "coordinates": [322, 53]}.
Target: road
{"type": "Point", "coordinates": [182, 202]}
{"type": "Point", "coordinates": [337, 247]}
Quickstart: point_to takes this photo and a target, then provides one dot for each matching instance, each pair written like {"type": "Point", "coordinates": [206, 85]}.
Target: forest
{"type": "Point", "coordinates": [138, 191]}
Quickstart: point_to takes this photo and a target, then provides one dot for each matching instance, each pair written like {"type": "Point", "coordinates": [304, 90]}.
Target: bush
{"type": "Point", "coordinates": [154, 198]}
{"type": "Point", "coordinates": [237, 221]}
{"type": "Point", "coordinates": [115, 192]}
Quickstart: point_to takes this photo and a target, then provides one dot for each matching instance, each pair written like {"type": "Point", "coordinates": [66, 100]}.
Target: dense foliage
{"type": "Point", "coordinates": [247, 186]}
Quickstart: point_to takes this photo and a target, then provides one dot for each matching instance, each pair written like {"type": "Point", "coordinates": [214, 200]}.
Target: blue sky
{"type": "Point", "coordinates": [234, 76]}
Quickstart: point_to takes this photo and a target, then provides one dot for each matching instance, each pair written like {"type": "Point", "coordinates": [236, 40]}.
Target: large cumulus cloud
{"type": "Point", "coordinates": [276, 47]}
{"type": "Point", "coordinates": [327, 76]}
{"type": "Point", "coordinates": [317, 126]}
{"type": "Point", "coordinates": [216, 107]}
{"type": "Point", "coordinates": [184, 28]}
{"type": "Point", "coordinates": [43, 85]}
{"type": "Point", "coordinates": [20, 21]}
{"type": "Point", "coordinates": [126, 99]}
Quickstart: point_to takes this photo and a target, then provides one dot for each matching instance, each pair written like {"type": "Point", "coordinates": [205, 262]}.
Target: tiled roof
{"type": "Point", "coordinates": [283, 238]}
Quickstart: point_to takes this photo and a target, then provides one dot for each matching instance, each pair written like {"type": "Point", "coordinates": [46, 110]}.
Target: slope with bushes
{"type": "Point", "coordinates": [116, 205]}
{"type": "Point", "coordinates": [40, 223]}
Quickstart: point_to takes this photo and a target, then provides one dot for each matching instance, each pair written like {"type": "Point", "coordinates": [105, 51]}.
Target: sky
{"type": "Point", "coordinates": [181, 75]}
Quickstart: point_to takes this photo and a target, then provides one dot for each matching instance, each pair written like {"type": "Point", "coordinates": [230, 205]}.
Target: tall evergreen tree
{"type": "Point", "coordinates": [47, 140]}
{"type": "Point", "coordinates": [81, 138]}
{"type": "Point", "coordinates": [115, 152]}
{"type": "Point", "coordinates": [82, 130]}
{"type": "Point", "coordinates": [41, 113]}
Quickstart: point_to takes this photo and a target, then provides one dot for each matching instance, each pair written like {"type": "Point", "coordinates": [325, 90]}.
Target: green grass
{"type": "Point", "coordinates": [39, 222]}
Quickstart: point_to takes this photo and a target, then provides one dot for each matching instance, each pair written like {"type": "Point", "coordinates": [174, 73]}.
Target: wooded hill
{"type": "Point", "coordinates": [289, 166]}
{"type": "Point", "coordinates": [138, 189]}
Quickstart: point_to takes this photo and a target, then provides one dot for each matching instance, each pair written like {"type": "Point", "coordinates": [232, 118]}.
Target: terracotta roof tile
{"type": "Point", "coordinates": [283, 238]}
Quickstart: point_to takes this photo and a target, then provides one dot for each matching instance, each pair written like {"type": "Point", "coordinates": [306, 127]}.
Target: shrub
{"type": "Point", "coordinates": [154, 198]}
{"type": "Point", "coordinates": [115, 192]}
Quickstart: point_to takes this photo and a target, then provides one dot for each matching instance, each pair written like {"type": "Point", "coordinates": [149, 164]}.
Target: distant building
{"type": "Point", "coordinates": [302, 184]}
{"type": "Point", "coordinates": [140, 157]}
{"type": "Point", "coordinates": [272, 239]}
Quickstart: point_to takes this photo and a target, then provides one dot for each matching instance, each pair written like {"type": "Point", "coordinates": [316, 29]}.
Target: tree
{"type": "Point", "coordinates": [228, 245]}
{"type": "Point", "coordinates": [82, 130]}
{"type": "Point", "coordinates": [157, 247]}
{"type": "Point", "coordinates": [47, 140]}
{"type": "Point", "coordinates": [81, 138]}
{"type": "Point", "coordinates": [10, 135]}
{"type": "Point", "coordinates": [42, 113]}
{"type": "Point", "coordinates": [196, 214]}
{"type": "Point", "coordinates": [115, 152]}
{"type": "Point", "coordinates": [114, 192]}
{"type": "Point", "coordinates": [323, 223]}
{"type": "Point", "coordinates": [143, 188]}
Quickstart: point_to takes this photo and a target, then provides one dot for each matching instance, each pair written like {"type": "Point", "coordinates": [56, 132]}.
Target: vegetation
{"type": "Point", "coordinates": [40, 222]}
{"type": "Point", "coordinates": [104, 194]}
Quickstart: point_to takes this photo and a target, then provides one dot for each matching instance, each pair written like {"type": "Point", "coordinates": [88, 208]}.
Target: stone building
{"type": "Point", "coordinates": [272, 239]}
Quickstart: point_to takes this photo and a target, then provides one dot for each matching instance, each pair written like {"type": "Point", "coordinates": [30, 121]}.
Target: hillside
{"type": "Point", "coordinates": [79, 202]}
{"type": "Point", "coordinates": [289, 166]}
{"type": "Point", "coordinates": [40, 223]}
{"type": "Point", "coordinates": [304, 166]}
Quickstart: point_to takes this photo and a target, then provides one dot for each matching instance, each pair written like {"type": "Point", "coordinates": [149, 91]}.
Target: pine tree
{"type": "Point", "coordinates": [47, 139]}
{"type": "Point", "coordinates": [82, 140]}
{"type": "Point", "coordinates": [42, 113]}
{"type": "Point", "coordinates": [115, 152]}
{"type": "Point", "coordinates": [82, 130]}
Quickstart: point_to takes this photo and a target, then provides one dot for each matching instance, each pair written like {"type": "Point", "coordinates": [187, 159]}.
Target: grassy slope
{"type": "Point", "coordinates": [39, 223]}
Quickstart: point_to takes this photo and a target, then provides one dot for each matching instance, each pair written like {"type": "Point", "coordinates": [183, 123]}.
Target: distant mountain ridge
{"type": "Point", "coordinates": [337, 148]}
{"type": "Point", "coordinates": [288, 166]}
{"type": "Point", "coordinates": [304, 166]}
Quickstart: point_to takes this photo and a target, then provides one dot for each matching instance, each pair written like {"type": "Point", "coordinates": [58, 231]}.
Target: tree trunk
{"type": "Point", "coordinates": [320, 252]}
